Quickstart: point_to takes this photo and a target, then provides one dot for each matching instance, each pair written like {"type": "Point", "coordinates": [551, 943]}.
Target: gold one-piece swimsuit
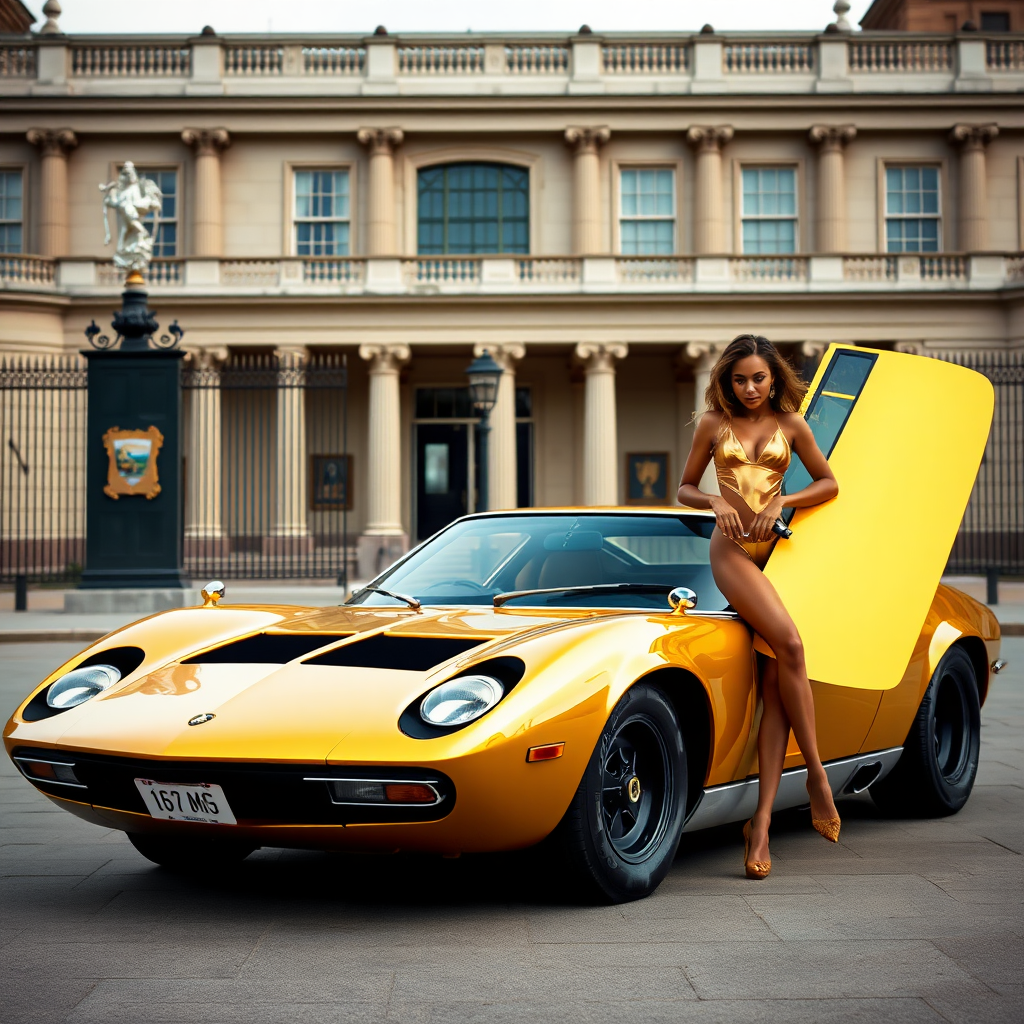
{"type": "Point", "coordinates": [757, 483]}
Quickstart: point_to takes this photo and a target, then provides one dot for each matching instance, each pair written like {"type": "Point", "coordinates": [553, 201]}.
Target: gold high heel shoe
{"type": "Point", "coordinates": [827, 827]}
{"type": "Point", "coordinates": [757, 869]}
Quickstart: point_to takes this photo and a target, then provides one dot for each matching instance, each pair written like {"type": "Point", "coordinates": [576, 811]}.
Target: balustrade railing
{"type": "Point", "coordinates": [537, 60]}
{"type": "Point", "coordinates": [655, 270]}
{"type": "Point", "coordinates": [768, 58]}
{"type": "Point", "coordinates": [440, 60]}
{"type": "Point", "coordinates": [864, 269]}
{"type": "Point", "coordinates": [250, 273]}
{"type": "Point", "coordinates": [124, 61]}
{"type": "Point", "coordinates": [26, 271]}
{"type": "Point", "coordinates": [645, 58]}
{"type": "Point", "coordinates": [1005, 56]}
{"type": "Point", "coordinates": [549, 271]}
{"type": "Point", "coordinates": [768, 269]}
{"type": "Point", "coordinates": [250, 61]}
{"type": "Point", "coordinates": [334, 271]}
{"type": "Point", "coordinates": [443, 270]}
{"type": "Point", "coordinates": [943, 268]}
{"type": "Point", "coordinates": [888, 57]}
{"type": "Point", "coordinates": [17, 62]}
{"type": "Point", "coordinates": [333, 60]}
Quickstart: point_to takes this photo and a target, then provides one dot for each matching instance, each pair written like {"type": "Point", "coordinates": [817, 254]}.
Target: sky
{"type": "Point", "coordinates": [190, 16]}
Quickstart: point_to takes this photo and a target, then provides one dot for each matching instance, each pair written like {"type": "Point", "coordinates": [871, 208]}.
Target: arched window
{"type": "Point", "coordinates": [473, 208]}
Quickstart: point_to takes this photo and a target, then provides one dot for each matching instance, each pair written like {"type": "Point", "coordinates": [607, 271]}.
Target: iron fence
{"type": "Point", "coordinates": [42, 469]}
{"type": "Point", "coordinates": [267, 471]}
{"type": "Point", "coordinates": [991, 537]}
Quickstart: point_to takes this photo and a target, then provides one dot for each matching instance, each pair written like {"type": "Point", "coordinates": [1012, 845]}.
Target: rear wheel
{"type": "Point", "coordinates": [620, 833]}
{"type": "Point", "coordinates": [191, 855]}
{"type": "Point", "coordinates": [935, 773]}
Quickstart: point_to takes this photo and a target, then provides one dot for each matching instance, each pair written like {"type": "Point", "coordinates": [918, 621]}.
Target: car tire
{"type": "Point", "coordinates": [619, 836]}
{"type": "Point", "coordinates": [935, 773]}
{"type": "Point", "coordinates": [190, 855]}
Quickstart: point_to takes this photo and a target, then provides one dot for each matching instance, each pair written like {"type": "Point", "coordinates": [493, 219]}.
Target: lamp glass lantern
{"type": "Point", "coordinates": [484, 374]}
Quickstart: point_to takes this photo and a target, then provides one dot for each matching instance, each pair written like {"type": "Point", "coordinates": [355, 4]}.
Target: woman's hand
{"type": "Point", "coordinates": [761, 527]}
{"type": "Point", "coordinates": [727, 518]}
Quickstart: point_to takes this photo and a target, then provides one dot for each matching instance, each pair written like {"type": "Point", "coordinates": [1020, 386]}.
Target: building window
{"type": "Point", "coordinates": [11, 238]}
{"type": "Point", "coordinates": [995, 21]}
{"type": "Point", "coordinates": [647, 224]}
{"type": "Point", "coordinates": [165, 242]}
{"type": "Point", "coordinates": [769, 210]}
{"type": "Point", "coordinates": [473, 208]}
{"type": "Point", "coordinates": [912, 209]}
{"type": "Point", "coordinates": [322, 203]}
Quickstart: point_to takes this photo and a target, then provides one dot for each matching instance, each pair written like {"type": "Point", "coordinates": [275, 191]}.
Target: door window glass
{"type": "Point", "coordinates": [435, 468]}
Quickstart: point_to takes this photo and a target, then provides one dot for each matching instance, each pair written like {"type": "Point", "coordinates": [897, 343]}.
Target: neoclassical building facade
{"type": "Point", "coordinates": [600, 213]}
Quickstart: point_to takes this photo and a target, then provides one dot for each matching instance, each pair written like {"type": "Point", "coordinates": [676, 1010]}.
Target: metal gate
{"type": "Point", "coordinates": [267, 470]}
{"type": "Point", "coordinates": [42, 470]}
{"type": "Point", "coordinates": [991, 537]}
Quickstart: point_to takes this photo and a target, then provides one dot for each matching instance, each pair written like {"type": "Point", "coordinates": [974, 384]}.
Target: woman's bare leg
{"type": "Point", "coordinates": [758, 604]}
{"type": "Point", "coordinates": [772, 740]}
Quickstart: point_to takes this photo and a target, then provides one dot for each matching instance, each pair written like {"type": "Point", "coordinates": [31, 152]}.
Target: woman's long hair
{"type": "Point", "coordinates": [789, 386]}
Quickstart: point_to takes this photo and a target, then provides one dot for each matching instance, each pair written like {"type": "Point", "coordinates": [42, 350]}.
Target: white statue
{"type": "Point", "coordinates": [131, 197]}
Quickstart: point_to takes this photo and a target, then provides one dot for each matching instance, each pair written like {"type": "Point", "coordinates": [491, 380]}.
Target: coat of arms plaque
{"type": "Point", "coordinates": [132, 467]}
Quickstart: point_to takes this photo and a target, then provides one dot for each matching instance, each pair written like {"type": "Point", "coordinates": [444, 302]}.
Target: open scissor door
{"type": "Point", "coordinates": [904, 436]}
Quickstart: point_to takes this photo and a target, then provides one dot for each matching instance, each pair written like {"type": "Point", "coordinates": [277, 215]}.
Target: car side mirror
{"type": "Point", "coordinates": [681, 600]}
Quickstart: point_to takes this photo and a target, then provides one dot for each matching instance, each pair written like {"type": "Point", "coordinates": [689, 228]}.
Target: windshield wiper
{"type": "Point", "coordinates": [596, 588]}
{"type": "Point", "coordinates": [410, 601]}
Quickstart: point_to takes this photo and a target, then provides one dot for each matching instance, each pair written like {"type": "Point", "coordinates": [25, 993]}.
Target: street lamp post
{"type": "Point", "coordinates": [484, 374]}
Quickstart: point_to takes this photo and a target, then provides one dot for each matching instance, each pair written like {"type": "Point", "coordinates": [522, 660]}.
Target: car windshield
{"type": "Point", "coordinates": [474, 560]}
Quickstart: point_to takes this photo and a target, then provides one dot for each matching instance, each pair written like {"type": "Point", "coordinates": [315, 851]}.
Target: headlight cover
{"type": "Point", "coordinates": [461, 700]}
{"type": "Point", "coordinates": [80, 685]}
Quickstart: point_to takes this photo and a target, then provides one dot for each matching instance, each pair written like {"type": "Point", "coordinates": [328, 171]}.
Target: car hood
{"type": "Point", "coordinates": [297, 711]}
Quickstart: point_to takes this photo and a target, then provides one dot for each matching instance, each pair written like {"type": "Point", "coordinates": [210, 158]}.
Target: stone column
{"type": "Point", "coordinates": [383, 538]}
{"type": "Point", "coordinates": [587, 233]}
{"type": "Point", "coordinates": [289, 532]}
{"type": "Point", "coordinates": [709, 214]}
{"type": "Point", "coordinates": [830, 140]}
{"type": "Point", "coordinates": [503, 476]}
{"type": "Point", "coordinates": [54, 145]}
{"type": "Point", "coordinates": [972, 140]}
{"type": "Point", "coordinates": [704, 356]}
{"type": "Point", "coordinates": [381, 234]}
{"type": "Point", "coordinates": [600, 428]}
{"type": "Point", "coordinates": [204, 530]}
{"type": "Point", "coordinates": [207, 219]}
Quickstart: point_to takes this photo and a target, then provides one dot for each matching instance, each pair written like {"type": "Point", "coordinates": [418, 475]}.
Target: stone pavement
{"type": "Point", "coordinates": [902, 921]}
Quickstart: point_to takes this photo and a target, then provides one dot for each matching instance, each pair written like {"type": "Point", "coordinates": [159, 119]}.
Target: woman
{"type": "Point", "coordinates": [753, 398]}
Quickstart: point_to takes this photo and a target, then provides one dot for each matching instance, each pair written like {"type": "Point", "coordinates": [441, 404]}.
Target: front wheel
{"type": "Point", "coordinates": [190, 855]}
{"type": "Point", "coordinates": [935, 773]}
{"type": "Point", "coordinates": [620, 833]}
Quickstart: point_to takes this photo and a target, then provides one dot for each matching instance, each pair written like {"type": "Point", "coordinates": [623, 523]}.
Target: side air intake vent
{"type": "Point", "coordinates": [266, 649]}
{"type": "Point", "coordinates": [402, 653]}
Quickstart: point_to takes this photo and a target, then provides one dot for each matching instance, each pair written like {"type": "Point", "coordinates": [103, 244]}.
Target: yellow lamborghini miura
{"type": "Point", "coordinates": [563, 674]}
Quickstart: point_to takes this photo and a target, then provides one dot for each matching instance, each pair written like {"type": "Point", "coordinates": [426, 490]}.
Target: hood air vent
{"type": "Point", "coordinates": [266, 649]}
{"type": "Point", "coordinates": [401, 653]}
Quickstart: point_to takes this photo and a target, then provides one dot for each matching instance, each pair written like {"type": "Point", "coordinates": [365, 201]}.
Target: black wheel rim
{"type": "Point", "coordinates": [951, 729]}
{"type": "Point", "coordinates": [636, 789]}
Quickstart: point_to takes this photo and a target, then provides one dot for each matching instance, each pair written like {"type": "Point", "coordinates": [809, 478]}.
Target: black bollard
{"type": "Point", "coordinates": [21, 593]}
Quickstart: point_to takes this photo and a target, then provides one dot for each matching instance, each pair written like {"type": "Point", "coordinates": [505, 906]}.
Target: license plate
{"type": "Point", "coordinates": [172, 801]}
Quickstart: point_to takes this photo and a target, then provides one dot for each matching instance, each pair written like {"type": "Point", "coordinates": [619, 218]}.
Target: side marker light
{"type": "Point", "coordinates": [548, 752]}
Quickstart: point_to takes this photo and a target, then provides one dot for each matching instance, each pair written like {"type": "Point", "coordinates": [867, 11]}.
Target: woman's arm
{"type": "Point", "coordinates": [823, 486]}
{"type": "Point", "coordinates": [690, 494]}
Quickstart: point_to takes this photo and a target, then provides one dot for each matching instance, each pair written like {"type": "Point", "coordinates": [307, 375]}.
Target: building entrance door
{"type": "Point", "coordinates": [442, 475]}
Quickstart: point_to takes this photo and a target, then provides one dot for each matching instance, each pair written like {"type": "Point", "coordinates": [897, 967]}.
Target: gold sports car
{"type": "Point", "coordinates": [570, 676]}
